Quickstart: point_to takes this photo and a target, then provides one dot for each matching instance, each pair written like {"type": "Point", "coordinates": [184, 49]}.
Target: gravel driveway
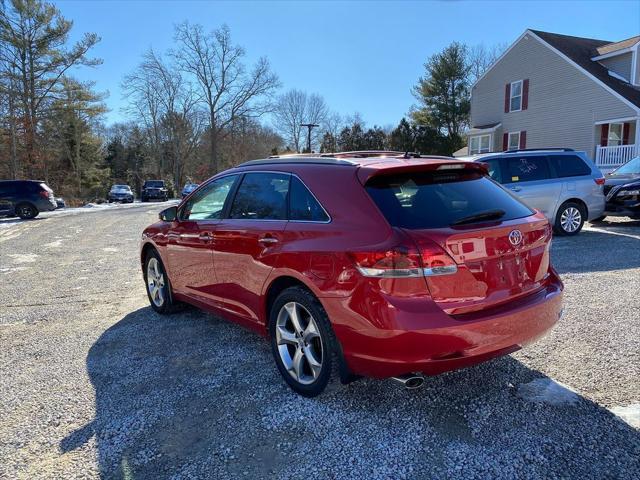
{"type": "Point", "coordinates": [95, 384]}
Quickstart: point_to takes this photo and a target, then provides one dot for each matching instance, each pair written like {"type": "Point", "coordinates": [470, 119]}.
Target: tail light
{"type": "Point", "coordinates": [599, 181]}
{"type": "Point", "coordinates": [44, 194]}
{"type": "Point", "coordinates": [404, 262]}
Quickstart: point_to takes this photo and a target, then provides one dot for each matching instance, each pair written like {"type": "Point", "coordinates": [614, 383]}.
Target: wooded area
{"type": "Point", "coordinates": [191, 111]}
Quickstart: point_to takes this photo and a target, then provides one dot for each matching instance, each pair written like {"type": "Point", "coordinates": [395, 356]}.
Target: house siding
{"type": "Point", "coordinates": [620, 64]}
{"type": "Point", "coordinates": [564, 103]}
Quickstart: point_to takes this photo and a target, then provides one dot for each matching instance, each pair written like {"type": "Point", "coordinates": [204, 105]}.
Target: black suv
{"type": "Point", "coordinates": [25, 198]}
{"type": "Point", "coordinates": [154, 190]}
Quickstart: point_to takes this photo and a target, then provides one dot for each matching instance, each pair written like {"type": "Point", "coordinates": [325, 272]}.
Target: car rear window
{"type": "Point", "coordinates": [569, 166]}
{"type": "Point", "coordinates": [154, 184]}
{"type": "Point", "coordinates": [436, 200]}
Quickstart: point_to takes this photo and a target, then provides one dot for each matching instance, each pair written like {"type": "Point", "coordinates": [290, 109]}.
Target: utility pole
{"type": "Point", "coordinates": [309, 126]}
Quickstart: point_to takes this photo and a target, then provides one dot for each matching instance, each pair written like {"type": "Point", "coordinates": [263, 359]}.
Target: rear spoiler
{"type": "Point", "coordinates": [366, 173]}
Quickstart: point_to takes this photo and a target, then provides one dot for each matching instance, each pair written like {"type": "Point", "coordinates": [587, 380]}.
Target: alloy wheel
{"type": "Point", "coordinates": [299, 343]}
{"type": "Point", "coordinates": [155, 282]}
{"type": "Point", "coordinates": [571, 219]}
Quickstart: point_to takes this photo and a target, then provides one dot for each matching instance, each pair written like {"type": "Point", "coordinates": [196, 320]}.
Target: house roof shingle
{"type": "Point", "coordinates": [581, 50]}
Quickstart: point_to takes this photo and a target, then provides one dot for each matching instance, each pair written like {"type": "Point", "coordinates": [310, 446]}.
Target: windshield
{"type": "Point", "coordinates": [154, 184]}
{"type": "Point", "coordinates": [436, 200]}
{"type": "Point", "coordinates": [116, 188]}
{"type": "Point", "coordinates": [631, 167]}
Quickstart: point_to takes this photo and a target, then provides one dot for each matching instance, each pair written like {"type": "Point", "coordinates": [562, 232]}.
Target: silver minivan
{"type": "Point", "coordinates": [563, 184]}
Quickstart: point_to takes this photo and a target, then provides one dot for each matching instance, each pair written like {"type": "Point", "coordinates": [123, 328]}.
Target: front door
{"type": "Point", "coordinates": [189, 240]}
{"type": "Point", "coordinates": [247, 243]}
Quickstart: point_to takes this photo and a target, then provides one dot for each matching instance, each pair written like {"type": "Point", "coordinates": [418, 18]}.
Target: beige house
{"type": "Point", "coordinates": [550, 90]}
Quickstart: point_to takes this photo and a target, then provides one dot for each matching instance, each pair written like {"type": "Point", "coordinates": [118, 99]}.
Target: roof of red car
{"type": "Point", "coordinates": [368, 163]}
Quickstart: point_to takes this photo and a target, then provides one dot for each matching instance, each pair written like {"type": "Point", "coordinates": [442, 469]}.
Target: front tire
{"type": "Point", "coordinates": [26, 211]}
{"type": "Point", "coordinates": [157, 283]}
{"type": "Point", "coordinates": [302, 341]}
{"type": "Point", "coordinates": [570, 218]}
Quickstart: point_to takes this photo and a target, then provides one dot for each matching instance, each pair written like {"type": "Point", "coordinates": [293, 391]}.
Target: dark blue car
{"type": "Point", "coordinates": [25, 198]}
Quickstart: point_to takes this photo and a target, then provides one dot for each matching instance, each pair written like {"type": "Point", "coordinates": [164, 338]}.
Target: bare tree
{"type": "Point", "coordinates": [167, 105]}
{"type": "Point", "coordinates": [480, 58]}
{"type": "Point", "coordinates": [228, 89]}
{"type": "Point", "coordinates": [294, 108]}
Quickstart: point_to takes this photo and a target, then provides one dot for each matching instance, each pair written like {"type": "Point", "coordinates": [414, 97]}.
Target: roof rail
{"type": "Point", "coordinates": [550, 149]}
{"type": "Point", "coordinates": [371, 153]}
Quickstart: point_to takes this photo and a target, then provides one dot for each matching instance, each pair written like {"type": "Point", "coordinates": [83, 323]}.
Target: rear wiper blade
{"type": "Point", "coordinates": [488, 215]}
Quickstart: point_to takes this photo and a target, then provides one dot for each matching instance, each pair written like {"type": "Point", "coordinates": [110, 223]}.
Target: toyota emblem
{"type": "Point", "coordinates": [515, 237]}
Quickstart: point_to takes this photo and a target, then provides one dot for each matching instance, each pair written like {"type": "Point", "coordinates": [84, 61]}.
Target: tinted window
{"type": "Point", "coordinates": [526, 169]}
{"type": "Point", "coordinates": [154, 184]}
{"type": "Point", "coordinates": [303, 205]}
{"type": "Point", "coordinates": [569, 165]}
{"type": "Point", "coordinates": [209, 202]}
{"type": "Point", "coordinates": [435, 200]}
{"type": "Point", "coordinates": [7, 187]}
{"type": "Point", "coordinates": [495, 170]}
{"type": "Point", "coordinates": [261, 196]}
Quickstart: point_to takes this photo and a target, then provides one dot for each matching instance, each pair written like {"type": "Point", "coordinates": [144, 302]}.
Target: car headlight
{"type": "Point", "coordinates": [629, 192]}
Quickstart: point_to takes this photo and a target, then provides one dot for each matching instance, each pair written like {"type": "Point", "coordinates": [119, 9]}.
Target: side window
{"type": "Point", "coordinates": [527, 169]}
{"type": "Point", "coordinates": [209, 202]}
{"type": "Point", "coordinates": [569, 166]}
{"type": "Point", "coordinates": [261, 196]}
{"type": "Point", "coordinates": [495, 170]}
{"type": "Point", "coordinates": [303, 205]}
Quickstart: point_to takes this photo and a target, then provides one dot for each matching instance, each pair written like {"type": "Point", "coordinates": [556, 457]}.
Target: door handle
{"type": "Point", "coordinates": [516, 189]}
{"type": "Point", "coordinates": [205, 237]}
{"type": "Point", "coordinates": [268, 240]}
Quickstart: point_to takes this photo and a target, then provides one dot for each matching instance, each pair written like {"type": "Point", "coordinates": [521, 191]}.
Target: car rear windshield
{"type": "Point", "coordinates": [438, 199]}
{"type": "Point", "coordinates": [154, 184]}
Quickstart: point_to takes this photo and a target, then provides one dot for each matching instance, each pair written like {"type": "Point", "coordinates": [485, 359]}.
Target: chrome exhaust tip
{"type": "Point", "coordinates": [411, 381]}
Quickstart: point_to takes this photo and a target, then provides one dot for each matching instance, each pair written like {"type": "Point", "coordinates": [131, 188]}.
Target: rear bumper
{"type": "Point", "coordinates": [445, 343]}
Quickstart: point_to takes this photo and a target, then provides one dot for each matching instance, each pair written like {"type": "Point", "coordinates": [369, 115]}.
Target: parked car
{"type": "Point", "coordinates": [383, 267]}
{"type": "Point", "coordinates": [120, 193]}
{"type": "Point", "coordinates": [563, 184]}
{"type": "Point", "coordinates": [154, 190]}
{"type": "Point", "coordinates": [188, 188]}
{"type": "Point", "coordinates": [60, 203]}
{"type": "Point", "coordinates": [622, 190]}
{"type": "Point", "coordinates": [25, 198]}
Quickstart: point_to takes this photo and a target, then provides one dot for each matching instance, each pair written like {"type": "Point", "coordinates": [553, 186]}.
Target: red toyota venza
{"type": "Point", "coordinates": [360, 264]}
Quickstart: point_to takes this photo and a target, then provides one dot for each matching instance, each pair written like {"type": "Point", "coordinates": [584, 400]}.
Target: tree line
{"type": "Point", "coordinates": [191, 111]}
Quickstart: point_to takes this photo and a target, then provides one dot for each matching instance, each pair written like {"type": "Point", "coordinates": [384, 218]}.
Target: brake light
{"type": "Point", "coordinates": [599, 181]}
{"type": "Point", "coordinates": [404, 262]}
{"type": "Point", "coordinates": [44, 194]}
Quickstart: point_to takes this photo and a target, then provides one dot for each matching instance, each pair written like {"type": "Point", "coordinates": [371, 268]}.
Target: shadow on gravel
{"type": "Point", "coordinates": [617, 248]}
{"type": "Point", "coordinates": [191, 396]}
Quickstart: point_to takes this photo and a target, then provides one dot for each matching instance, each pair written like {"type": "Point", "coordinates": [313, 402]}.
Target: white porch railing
{"type": "Point", "coordinates": [608, 158]}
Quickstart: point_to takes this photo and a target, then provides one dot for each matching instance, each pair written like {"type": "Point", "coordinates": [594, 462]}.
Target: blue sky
{"type": "Point", "coordinates": [361, 56]}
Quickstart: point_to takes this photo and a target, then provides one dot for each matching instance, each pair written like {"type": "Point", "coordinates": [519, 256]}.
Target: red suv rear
{"type": "Point", "coordinates": [372, 265]}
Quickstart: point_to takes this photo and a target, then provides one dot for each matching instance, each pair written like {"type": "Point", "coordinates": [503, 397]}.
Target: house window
{"type": "Point", "coordinates": [515, 101]}
{"type": "Point", "coordinates": [514, 141]}
{"type": "Point", "coordinates": [479, 144]}
{"type": "Point", "coordinates": [615, 134]}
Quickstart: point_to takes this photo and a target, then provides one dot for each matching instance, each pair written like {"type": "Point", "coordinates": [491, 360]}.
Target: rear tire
{"type": "Point", "coordinates": [157, 284]}
{"type": "Point", "coordinates": [26, 211]}
{"type": "Point", "coordinates": [303, 344]}
{"type": "Point", "coordinates": [570, 218]}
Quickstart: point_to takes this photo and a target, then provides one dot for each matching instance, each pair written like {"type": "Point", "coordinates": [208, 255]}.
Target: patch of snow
{"type": "Point", "coordinates": [546, 390]}
{"type": "Point", "coordinates": [55, 244]}
{"type": "Point", "coordinates": [24, 257]}
{"type": "Point", "coordinates": [629, 414]}
{"type": "Point", "coordinates": [109, 249]}
{"type": "Point", "coordinates": [7, 271]}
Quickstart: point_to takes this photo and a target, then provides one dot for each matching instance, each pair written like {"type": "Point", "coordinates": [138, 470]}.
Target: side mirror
{"type": "Point", "coordinates": [169, 214]}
